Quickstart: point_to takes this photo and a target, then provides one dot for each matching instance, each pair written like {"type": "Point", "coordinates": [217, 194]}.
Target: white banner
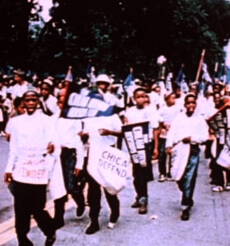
{"type": "Point", "coordinates": [180, 155]}
{"type": "Point", "coordinates": [32, 168]}
{"type": "Point", "coordinates": [224, 157]}
{"type": "Point", "coordinates": [109, 167]}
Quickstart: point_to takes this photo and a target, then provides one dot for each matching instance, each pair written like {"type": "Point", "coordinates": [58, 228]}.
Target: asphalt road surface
{"type": "Point", "coordinates": [209, 224]}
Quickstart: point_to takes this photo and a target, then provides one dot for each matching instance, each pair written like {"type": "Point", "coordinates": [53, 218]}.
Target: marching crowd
{"type": "Point", "coordinates": [50, 150]}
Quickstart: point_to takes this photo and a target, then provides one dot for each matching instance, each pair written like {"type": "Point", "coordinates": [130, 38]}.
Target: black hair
{"type": "Point", "coordinates": [17, 102]}
{"type": "Point", "coordinates": [137, 90]}
{"type": "Point", "coordinates": [188, 96]}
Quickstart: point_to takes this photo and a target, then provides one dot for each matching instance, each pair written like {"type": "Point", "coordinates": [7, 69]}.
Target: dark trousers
{"type": "Point", "coordinates": [94, 200]}
{"type": "Point", "coordinates": [30, 200]}
{"type": "Point", "coordinates": [140, 181]}
{"type": "Point", "coordinates": [74, 185]}
{"type": "Point", "coordinates": [217, 175]}
{"type": "Point", "coordinates": [142, 175]}
{"type": "Point", "coordinates": [187, 183]}
{"type": "Point", "coordinates": [162, 156]}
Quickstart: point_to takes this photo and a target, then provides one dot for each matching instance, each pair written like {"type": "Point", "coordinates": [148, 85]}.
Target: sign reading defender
{"type": "Point", "coordinates": [108, 166]}
{"type": "Point", "coordinates": [138, 142]}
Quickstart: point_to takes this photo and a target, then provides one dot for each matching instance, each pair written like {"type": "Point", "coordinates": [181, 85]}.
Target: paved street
{"type": "Point", "coordinates": [209, 223]}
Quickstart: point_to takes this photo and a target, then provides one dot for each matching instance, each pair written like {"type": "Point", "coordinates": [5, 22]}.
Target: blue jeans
{"type": "Point", "coordinates": [187, 183]}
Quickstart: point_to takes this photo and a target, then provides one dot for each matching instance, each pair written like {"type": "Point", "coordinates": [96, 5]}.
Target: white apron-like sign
{"type": "Point", "coordinates": [32, 167]}
{"type": "Point", "coordinates": [224, 157]}
{"type": "Point", "coordinates": [180, 155]}
{"type": "Point", "coordinates": [109, 167]}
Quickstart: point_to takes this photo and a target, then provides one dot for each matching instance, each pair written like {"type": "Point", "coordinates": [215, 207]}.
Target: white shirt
{"type": "Point", "coordinates": [92, 126]}
{"type": "Point", "coordinates": [167, 115]}
{"type": "Point", "coordinates": [183, 126]}
{"type": "Point", "coordinates": [111, 99]}
{"type": "Point", "coordinates": [3, 92]}
{"type": "Point", "coordinates": [50, 103]}
{"type": "Point", "coordinates": [30, 136]}
{"type": "Point", "coordinates": [66, 135]}
{"type": "Point", "coordinates": [205, 106]}
{"type": "Point", "coordinates": [180, 103]}
{"type": "Point", "coordinates": [148, 113]}
{"type": "Point", "coordinates": [18, 90]}
{"type": "Point", "coordinates": [154, 99]}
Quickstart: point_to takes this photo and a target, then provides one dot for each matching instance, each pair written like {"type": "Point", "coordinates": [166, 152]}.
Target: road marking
{"type": "Point", "coordinates": [7, 230]}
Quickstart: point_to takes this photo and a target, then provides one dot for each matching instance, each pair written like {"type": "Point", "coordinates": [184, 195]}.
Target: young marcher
{"type": "Point", "coordinates": [18, 107]}
{"type": "Point", "coordinates": [167, 114]}
{"type": "Point", "coordinates": [70, 153]}
{"type": "Point", "coordinates": [218, 173]}
{"type": "Point", "coordinates": [20, 85]}
{"type": "Point", "coordinates": [137, 114]}
{"type": "Point", "coordinates": [191, 129]}
{"type": "Point", "coordinates": [27, 169]}
{"type": "Point", "coordinates": [103, 83]}
{"type": "Point", "coordinates": [105, 130]}
{"type": "Point", "coordinates": [48, 101]}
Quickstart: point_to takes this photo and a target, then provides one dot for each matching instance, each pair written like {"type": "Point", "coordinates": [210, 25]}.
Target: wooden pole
{"type": "Point", "coordinates": [66, 92]}
{"type": "Point", "coordinates": [200, 65]}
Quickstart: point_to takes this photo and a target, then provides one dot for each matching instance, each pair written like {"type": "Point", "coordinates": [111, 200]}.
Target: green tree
{"type": "Point", "coordinates": [14, 18]}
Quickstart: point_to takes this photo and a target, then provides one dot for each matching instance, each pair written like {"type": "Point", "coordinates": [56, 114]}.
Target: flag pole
{"type": "Point", "coordinates": [200, 65]}
{"type": "Point", "coordinates": [66, 91]}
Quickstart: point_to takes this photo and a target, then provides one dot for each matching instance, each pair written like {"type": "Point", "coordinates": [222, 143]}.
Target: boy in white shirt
{"type": "Point", "coordinates": [105, 130]}
{"type": "Point", "coordinates": [191, 129]}
{"type": "Point", "coordinates": [30, 137]}
{"type": "Point", "coordinates": [167, 114]}
{"type": "Point", "coordinates": [136, 114]}
{"type": "Point", "coordinates": [70, 152]}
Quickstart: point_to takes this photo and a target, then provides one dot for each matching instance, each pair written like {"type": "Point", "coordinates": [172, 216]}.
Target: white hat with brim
{"type": "Point", "coordinates": [19, 72]}
{"type": "Point", "coordinates": [103, 78]}
{"type": "Point", "coordinates": [48, 81]}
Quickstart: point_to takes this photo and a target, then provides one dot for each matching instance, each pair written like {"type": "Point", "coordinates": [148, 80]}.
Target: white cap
{"type": "Point", "coordinates": [103, 78]}
{"type": "Point", "coordinates": [48, 81]}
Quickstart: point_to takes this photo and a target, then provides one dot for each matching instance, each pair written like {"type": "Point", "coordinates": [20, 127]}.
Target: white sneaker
{"type": "Point", "coordinates": [161, 178]}
{"type": "Point", "coordinates": [218, 188]}
{"type": "Point", "coordinates": [111, 225]}
{"type": "Point", "coordinates": [227, 187]}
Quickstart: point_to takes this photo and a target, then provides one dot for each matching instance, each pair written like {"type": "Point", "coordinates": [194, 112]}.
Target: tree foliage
{"type": "Point", "coordinates": [115, 34]}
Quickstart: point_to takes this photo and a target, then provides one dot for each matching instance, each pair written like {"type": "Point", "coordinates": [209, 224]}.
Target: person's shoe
{"type": "Point", "coordinates": [185, 214]}
{"type": "Point", "coordinates": [24, 241]}
{"type": "Point", "coordinates": [92, 228]}
{"type": "Point", "coordinates": [136, 204]}
{"type": "Point", "coordinates": [111, 225]}
{"type": "Point", "coordinates": [168, 177]}
{"type": "Point", "coordinates": [80, 211]}
{"type": "Point", "coordinates": [50, 240]}
{"type": "Point", "coordinates": [143, 209]}
{"type": "Point", "coordinates": [227, 187]}
{"type": "Point", "coordinates": [218, 188]}
{"type": "Point", "coordinates": [161, 178]}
